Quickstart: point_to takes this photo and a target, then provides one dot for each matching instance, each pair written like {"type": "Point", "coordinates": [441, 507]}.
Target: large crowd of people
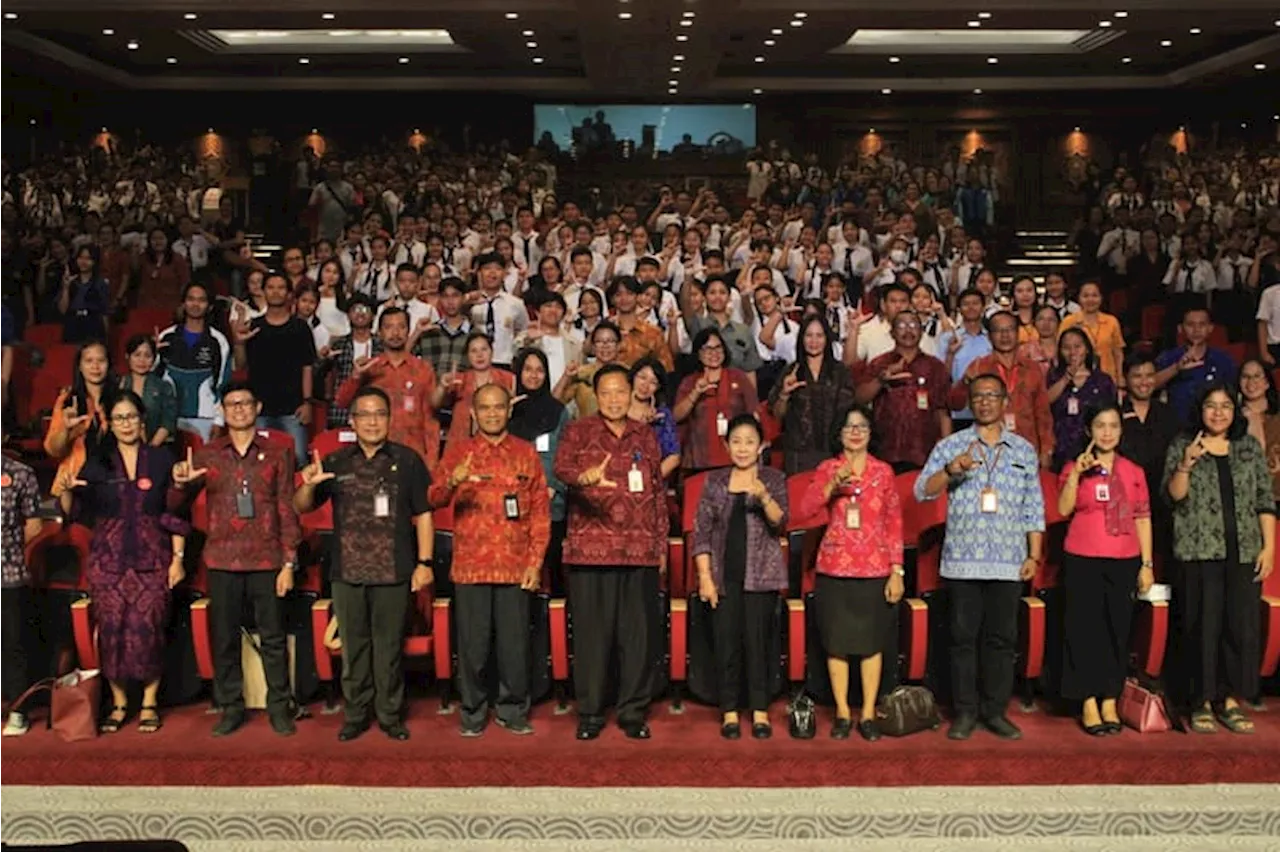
{"type": "Point", "coordinates": [551, 367]}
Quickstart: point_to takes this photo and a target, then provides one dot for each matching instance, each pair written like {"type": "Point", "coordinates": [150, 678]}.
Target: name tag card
{"type": "Point", "coordinates": [852, 516]}
{"type": "Point", "coordinates": [543, 442]}
{"type": "Point", "coordinates": [512, 507]}
{"type": "Point", "coordinates": [722, 425]}
{"type": "Point", "coordinates": [989, 504]}
{"type": "Point", "coordinates": [381, 505]}
{"type": "Point", "coordinates": [1102, 492]}
{"type": "Point", "coordinates": [635, 481]}
{"type": "Point", "coordinates": [1073, 405]}
{"type": "Point", "coordinates": [922, 400]}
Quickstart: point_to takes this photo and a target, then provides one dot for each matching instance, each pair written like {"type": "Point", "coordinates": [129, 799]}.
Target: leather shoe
{"type": "Point", "coordinates": [396, 731]}
{"type": "Point", "coordinates": [283, 724]}
{"type": "Point", "coordinates": [351, 730]}
{"type": "Point", "coordinates": [589, 730]}
{"type": "Point", "coordinates": [962, 727]}
{"type": "Point", "coordinates": [761, 730]}
{"type": "Point", "coordinates": [1003, 728]}
{"type": "Point", "coordinates": [840, 729]}
{"type": "Point", "coordinates": [869, 730]}
{"type": "Point", "coordinates": [636, 730]}
{"type": "Point", "coordinates": [731, 731]}
{"type": "Point", "coordinates": [229, 723]}
{"type": "Point", "coordinates": [1113, 728]}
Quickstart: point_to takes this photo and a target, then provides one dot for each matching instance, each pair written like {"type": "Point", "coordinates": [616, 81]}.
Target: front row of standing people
{"type": "Point", "coordinates": [503, 487]}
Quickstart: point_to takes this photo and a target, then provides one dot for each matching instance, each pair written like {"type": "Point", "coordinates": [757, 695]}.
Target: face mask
{"type": "Point", "coordinates": [898, 256]}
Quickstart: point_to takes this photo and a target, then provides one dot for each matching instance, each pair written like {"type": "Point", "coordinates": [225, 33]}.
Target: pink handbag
{"type": "Point", "coordinates": [1142, 709]}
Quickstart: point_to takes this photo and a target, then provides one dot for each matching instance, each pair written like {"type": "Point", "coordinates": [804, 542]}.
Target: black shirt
{"type": "Point", "coordinates": [1146, 442]}
{"type": "Point", "coordinates": [277, 355]}
{"type": "Point", "coordinates": [368, 549]}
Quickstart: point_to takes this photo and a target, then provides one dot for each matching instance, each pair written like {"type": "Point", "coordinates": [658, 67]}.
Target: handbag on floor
{"type": "Point", "coordinates": [73, 703]}
{"type": "Point", "coordinates": [1142, 708]}
{"type": "Point", "coordinates": [908, 710]}
{"type": "Point", "coordinates": [802, 721]}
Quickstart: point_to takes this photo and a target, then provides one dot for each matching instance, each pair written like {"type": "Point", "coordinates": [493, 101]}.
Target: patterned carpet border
{"type": "Point", "coordinates": [401, 816]}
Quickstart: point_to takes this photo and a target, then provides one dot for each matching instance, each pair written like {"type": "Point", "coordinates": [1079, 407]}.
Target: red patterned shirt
{"type": "Point", "coordinates": [1028, 404]}
{"type": "Point", "coordinates": [875, 546]}
{"type": "Point", "coordinates": [268, 539]}
{"type": "Point", "coordinates": [410, 386]}
{"type": "Point", "coordinates": [613, 526]}
{"type": "Point", "coordinates": [488, 546]}
{"type": "Point", "coordinates": [702, 446]}
{"type": "Point", "coordinates": [907, 424]}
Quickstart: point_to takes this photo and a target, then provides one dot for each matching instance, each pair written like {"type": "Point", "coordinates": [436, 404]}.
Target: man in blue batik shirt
{"type": "Point", "coordinates": [995, 526]}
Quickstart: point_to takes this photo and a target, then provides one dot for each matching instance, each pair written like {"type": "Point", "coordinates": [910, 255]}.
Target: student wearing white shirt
{"type": "Point", "coordinates": [1189, 272]}
{"type": "Point", "coordinates": [1268, 325]}
{"type": "Point", "coordinates": [353, 253]}
{"type": "Point", "coordinates": [192, 245]}
{"type": "Point", "coordinates": [1119, 244]}
{"type": "Point", "coordinates": [329, 287]}
{"type": "Point", "coordinates": [1127, 197]}
{"type": "Point", "coordinates": [1233, 266]}
{"type": "Point", "coordinates": [305, 302]}
{"type": "Point", "coordinates": [407, 248]}
{"type": "Point", "coordinates": [647, 274]}
{"type": "Point", "coordinates": [1055, 295]}
{"type": "Point", "coordinates": [933, 269]}
{"type": "Point", "coordinates": [853, 256]}
{"type": "Point", "coordinates": [811, 275]}
{"type": "Point", "coordinates": [775, 337]}
{"type": "Point", "coordinates": [964, 275]}
{"type": "Point", "coordinates": [496, 312]}
{"type": "Point", "coordinates": [875, 336]}
{"type": "Point", "coordinates": [437, 254]}
{"type": "Point", "coordinates": [526, 238]}
{"type": "Point", "coordinates": [549, 337]}
{"type": "Point", "coordinates": [421, 314]}
{"type": "Point", "coordinates": [376, 279]}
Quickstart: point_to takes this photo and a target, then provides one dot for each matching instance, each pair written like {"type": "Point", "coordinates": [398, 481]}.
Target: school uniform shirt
{"type": "Point", "coordinates": [417, 309]}
{"type": "Point", "coordinates": [966, 276]}
{"type": "Point", "coordinates": [987, 545]}
{"type": "Point", "coordinates": [195, 250]}
{"type": "Point", "coordinates": [502, 317]}
{"type": "Point", "coordinates": [447, 269]}
{"type": "Point", "coordinates": [20, 501]}
{"type": "Point", "coordinates": [260, 537]}
{"type": "Point", "coordinates": [863, 537]}
{"type": "Point", "coordinates": [1233, 273]}
{"type": "Point", "coordinates": [785, 340]}
{"type": "Point", "coordinates": [319, 333]}
{"type": "Point", "coordinates": [410, 387]}
{"type": "Point", "coordinates": [351, 256]}
{"type": "Point", "coordinates": [1108, 503]}
{"type": "Point", "coordinates": [375, 500]}
{"type": "Point", "coordinates": [1191, 277]}
{"type": "Point", "coordinates": [527, 248]}
{"type": "Point", "coordinates": [414, 252]}
{"type": "Point", "coordinates": [377, 281]}
{"type": "Point", "coordinates": [935, 274]}
{"type": "Point", "coordinates": [1269, 312]}
{"type": "Point", "coordinates": [1116, 245]}
{"type": "Point", "coordinates": [854, 261]}
{"type": "Point", "coordinates": [811, 278]}
{"type": "Point", "coordinates": [874, 339]}
{"type": "Point", "coordinates": [1065, 308]}
{"type": "Point", "coordinates": [905, 414]}
{"type": "Point", "coordinates": [622, 526]}
{"type": "Point", "coordinates": [501, 513]}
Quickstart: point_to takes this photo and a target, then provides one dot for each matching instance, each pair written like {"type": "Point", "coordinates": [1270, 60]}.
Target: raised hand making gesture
{"type": "Point", "coordinates": [595, 475]}
{"type": "Point", "coordinates": [314, 473]}
{"type": "Point", "coordinates": [185, 472]}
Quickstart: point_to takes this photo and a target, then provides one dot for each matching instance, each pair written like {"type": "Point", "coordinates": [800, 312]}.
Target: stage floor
{"type": "Point", "coordinates": [686, 751]}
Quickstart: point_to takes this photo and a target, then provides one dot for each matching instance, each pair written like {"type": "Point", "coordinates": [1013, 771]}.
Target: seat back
{"type": "Point", "coordinates": [683, 579]}
{"type": "Point", "coordinates": [1055, 526]}
{"type": "Point", "coordinates": [332, 440]}
{"type": "Point", "coordinates": [47, 557]}
{"type": "Point", "coordinates": [43, 335]}
{"type": "Point", "coordinates": [804, 533]}
{"type": "Point", "coordinates": [38, 391]}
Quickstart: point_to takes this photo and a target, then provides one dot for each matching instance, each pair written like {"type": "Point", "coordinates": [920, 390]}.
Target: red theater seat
{"type": "Point", "coordinates": [38, 554]}
{"type": "Point", "coordinates": [1152, 322]}
{"type": "Point", "coordinates": [43, 335]}
{"type": "Point", "coordinates": [918, 520]}
{"type": "Point", "coordinates": [1270, 633]}
{"type": "Point", "coordinates": [1033, 617]}
{"type": "Point", "coordinates": [804, 533]}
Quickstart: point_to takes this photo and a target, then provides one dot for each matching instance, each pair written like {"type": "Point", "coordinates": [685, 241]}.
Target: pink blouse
{"type": "Point", "coordinates": [1108, 502]}
{"type": "Point", "coordinates": [872, 548]}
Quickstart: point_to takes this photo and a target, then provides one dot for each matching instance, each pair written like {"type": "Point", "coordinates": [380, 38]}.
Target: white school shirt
{"type": "Point", "coordinates": [1197, 277]}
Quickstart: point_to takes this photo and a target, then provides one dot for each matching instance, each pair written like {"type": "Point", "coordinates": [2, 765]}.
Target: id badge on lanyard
{"type": "Point", "coordinates": [1073, 404]}
{"type": "Point", "coordinates": [244, 501]}
{"type": "Point", "coordinates": [922, 395]}
{"type": "Point", "coordinates": [722, 424]}
{"type": "Point", "coordinates": [853, 511]}
{"type": "Point", "coordinates": [511, 505]}
{"type": "Point", "coordinates": [1010, 421]}
{"type": "Point", "coordinates": [989, 503]}
{"type": "Point", "coordinates": [381, 501]}
{"type": "Point", "coordinates": [635, 478]}
{"type": "Point", "coordinates": [1102, 491]}
{"type": "Point", "coordinates": [410, 403]}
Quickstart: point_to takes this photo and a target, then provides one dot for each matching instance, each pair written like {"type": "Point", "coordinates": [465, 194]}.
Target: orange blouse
{"type": "Point", "coordinates": [1107, 339]}
{"type": "Point", "coordinates": [74, 456]}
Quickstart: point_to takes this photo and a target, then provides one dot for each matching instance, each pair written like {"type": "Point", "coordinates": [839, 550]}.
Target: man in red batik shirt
{"type": "Point", "coordinates": [501, 527]}
{"type": "Point", "coordinates": [615, 550]}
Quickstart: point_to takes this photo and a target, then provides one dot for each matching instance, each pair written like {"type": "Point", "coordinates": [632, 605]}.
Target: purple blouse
{"type": "Point", "coordinates": [766, 569]}
{"type": "Point", "coordinates": [1068, 411]}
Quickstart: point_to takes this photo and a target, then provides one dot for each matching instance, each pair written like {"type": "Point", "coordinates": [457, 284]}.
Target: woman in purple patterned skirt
{"type": "Point", "coordinates": [135, 557]}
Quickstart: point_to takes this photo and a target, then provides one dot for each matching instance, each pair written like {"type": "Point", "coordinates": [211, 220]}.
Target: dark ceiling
{"type": "Point", "coordinates": [587, 48]}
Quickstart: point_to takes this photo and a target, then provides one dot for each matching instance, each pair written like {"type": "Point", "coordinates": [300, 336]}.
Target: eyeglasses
{"type": "Point", "coordinates": [1219, 406]}
{"type": "Point", "coordinates": [712, 347]}
{"type": "Point", "coordinates": [987, 396]}
{"type": "Point", "coordinates": [856, 429]}
{"type": "Point", "coordinates": [123, 419]}
{"type": "Point", "coordinates": [240, 403]}
{"type": "Point", "coordinates": [371, 415]}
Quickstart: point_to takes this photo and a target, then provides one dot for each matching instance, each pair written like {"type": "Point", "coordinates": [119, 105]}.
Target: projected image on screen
{"type": "Point", "coordinates": [714, 129]}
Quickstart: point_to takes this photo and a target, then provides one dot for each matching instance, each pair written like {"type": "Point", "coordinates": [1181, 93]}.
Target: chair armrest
{"type": "Point", "coordinates": [679, 639]}
{"type": "Point", "coordinates": [321, 612]}
{"type": "Point", "coordinates": [202, 638]}
{"type": "Point", "coordinates": [1031, 615]}
{"type": "Point", "coordinates": [558, 613]}
{"type": "Point", "coordinates": [681, 577]}
{"type": "Point", "coordinates": [915, 636]}
{"type": "Point", "coordinates": [1270, 635]}
{"type": "Point", "coordinates": [442, 638]}
{"type": "Point", "coordinates": [797, 639]}
{"type": "Point", "coordinates": [1151, 635]}
{"type": "Point", "coordinates": [86, 636]}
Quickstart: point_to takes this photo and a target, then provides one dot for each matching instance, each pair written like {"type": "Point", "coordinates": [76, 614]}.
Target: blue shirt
{"type": "Point", "coordinates": [972, 347]}
{"type": "Point", "coordinates": [1182, 390]}
{"type": "Point", "coordinates": [988, 545]}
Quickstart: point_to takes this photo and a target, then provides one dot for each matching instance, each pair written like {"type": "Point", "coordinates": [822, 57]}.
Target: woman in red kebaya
{"type": "Point", "coordinates": [707, 400]}
{"type": "Point", "coordinates": [460, 383]}
{"type": "Point", "coordinates": [859, 564]}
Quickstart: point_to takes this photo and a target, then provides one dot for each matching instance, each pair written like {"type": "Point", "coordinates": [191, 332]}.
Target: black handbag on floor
{"type": "Point", "coordinates": [908, 710]}
{"type": "Point", "coordinates": [802, 721]}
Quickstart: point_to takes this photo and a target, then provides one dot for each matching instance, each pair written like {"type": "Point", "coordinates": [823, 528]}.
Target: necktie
{"type": "Point", "coordinates": [1237, 275]}
{"type": "Point", "coordinates": [528, 251]}
{"type": "Point", "coordinates": [490, 323]}
{"type": "Point", "coordinates": [973, 276]}
{"type": "Point", "coordinates": [833, 320]}
{"type": "Point", "coordinates": [1186, 281]}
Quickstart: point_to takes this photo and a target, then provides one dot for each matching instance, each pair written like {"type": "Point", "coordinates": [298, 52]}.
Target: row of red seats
{"type": "Point", "coordinates": [924, 531]}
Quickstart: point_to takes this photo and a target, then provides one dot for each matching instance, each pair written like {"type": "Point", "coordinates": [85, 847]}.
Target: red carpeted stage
{"type": "Point", "coordinates": [686, 750]}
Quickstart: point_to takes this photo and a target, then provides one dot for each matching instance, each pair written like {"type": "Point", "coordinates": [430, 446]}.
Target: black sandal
{"type": "Point", "coordinates": [111, 724]}
{"type": "Point", "coordinates": [1234, 720]}
{"type": "Point", "coordinates": [1202, 722]}
{"type": "Point", "coordinates": [152, 724]}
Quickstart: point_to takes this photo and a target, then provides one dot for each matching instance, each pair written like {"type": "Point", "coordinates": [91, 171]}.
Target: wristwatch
{"type": "Point", "coordinates": [900, 571]}
{"type": "Point", "coordinates": [428, 562]}
{"type": "Point", "coordinates": [1147, 563]}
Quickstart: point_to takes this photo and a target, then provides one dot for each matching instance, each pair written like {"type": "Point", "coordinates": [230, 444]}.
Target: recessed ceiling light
{"type": "Point", "coordinates": [1127, 60]}
{"type": "Point", "coordinates": [104, 130]}
{"type": "Point", "coordinates": [977, 91]}
{"type": "Point", "coordinates": [530, 44]}
{"type": "Point", "coordinates": [302, 60]}
{"type": "Point", "coordinates": [328, 16]}
{"type": "Point", "coordinates": [1243, 125]}
{"type": "Point", "coordinates": [1121, 14]}
{"type": "Point", "coordinates": [797, 23]}
{"type": "Point", "coordinates": [190, 16]}
{"type": "Point", "coordinates": [624, 16]}
{"type": "Point", "coordinates": [675, 69]}
{"type": "Point", "coordinates": [686, 23]}
{"type": "Point", "coordinates": [1104, 23]}
{"type": "Point", "coordinates": [801, 15]}
{"type": "Point", "coordinates": [133, 45]}
{"type": "Point", "coordinates": [975, 23]}
{"type": "Point", "coordinates": [672, 91]}
{"type": "Point", "coordinates": [1166, 43]}
{"type": "Point", "coordinates": [108, 31]}
{"type": "Point", "coordinates": [992, 60]}
{"type": "Point", "coordinates": [537, 60]}
{"type": "Point", "coordinates": [753, 91]}
{"type": "Point", "coordinates": [769, 42]}
{"type": "Point", "coordinates": [759, 59]}
{"type": "Point", "coordinates": [209, 130]}
{"type": "Point", "coordinates": [33, 122]}
{"type": "Point", "coordinates": [1260, 66]}
{"type": "Point", "coordinates": [1195, 31]}
{"type": "Point", "coordinates": [673, 82]}
{"type": "Point", "coordinates": [315, 130]}
{"type": "Point", "coordinates": [527, 33]}
{"type": "Point", "coordinates": [1075, 129]}
{"type": "Point", "coordinates": [11, 16]}
{"type": "Point", "coordinates": [679, 57]}
{"type": "Point", "coordinates": [1275, 117]}
{"type": "Point", "coordinates": [894, 60]}
{"type": "Point", "coordinates": [871, 130]}
{"type": "Point", "coordinates": [172, 60]}
{"type": "Point", "coordinates": [984, 15]}
{"type": "Point", "coordinates": [404, 60]}
{"type": "Point", "coordinates": [682, 37]}
{"type": "Point", "coordinates": [886, 91]}
{"type": "Point", "coordinates": [689, 15]}
{"type": "Point", "coordinates": [511, 16]}
{"type": "Point", "coordinates": [776, 31]}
